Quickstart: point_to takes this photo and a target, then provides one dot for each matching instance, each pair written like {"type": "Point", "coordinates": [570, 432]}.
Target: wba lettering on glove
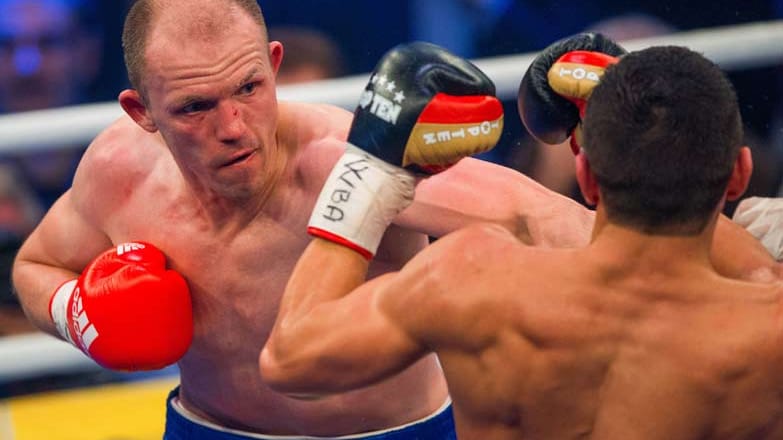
{"type": "Point", "coordinates": [342, 194]}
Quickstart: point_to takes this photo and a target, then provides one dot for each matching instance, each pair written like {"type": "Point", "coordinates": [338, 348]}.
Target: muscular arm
{"type": "Point", "coordinates": [66, 240]}
{"type": "Point", "coordinates": [331, 335]}
{"type": "Point", "coordinates": [478, 191]}
{"type": "Point", "coordinates": [61, 245]}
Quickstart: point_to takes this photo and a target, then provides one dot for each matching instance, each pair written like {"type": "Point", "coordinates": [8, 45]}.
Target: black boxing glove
{"type": "Point", "coordinates": [423, 110]}
{"type": "Point", "coordinates": [554, 91]}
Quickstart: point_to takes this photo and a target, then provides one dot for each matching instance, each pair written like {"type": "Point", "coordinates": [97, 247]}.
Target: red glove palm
{"type": "Point", "coordinates": [126, 310]}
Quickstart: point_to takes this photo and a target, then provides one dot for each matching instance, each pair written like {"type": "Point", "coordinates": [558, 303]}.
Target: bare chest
{"type": "Point", "coordinates": [236, 279]}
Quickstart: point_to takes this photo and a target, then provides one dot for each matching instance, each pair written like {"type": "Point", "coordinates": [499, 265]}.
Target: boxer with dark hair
{"type": "Point", "coordinates": [635, 336]}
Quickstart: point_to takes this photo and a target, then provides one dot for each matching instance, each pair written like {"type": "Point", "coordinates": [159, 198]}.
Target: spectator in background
{"type": "Point", "coordinates": [632, 26]}
{"type": "Point", "coordinates": [19, 214]}
{"type": "Point", "coordinates": [310, 55]}
{"type": "Point", "coordinates": [364, 30]}
{"type": "Point", "coordinates": [49, 57]}
{"type": "Point", "coordinates": [482, 28]}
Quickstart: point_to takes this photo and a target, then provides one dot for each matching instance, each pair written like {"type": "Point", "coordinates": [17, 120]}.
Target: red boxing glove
{"type": "Point", "coordinates": [126, 310]}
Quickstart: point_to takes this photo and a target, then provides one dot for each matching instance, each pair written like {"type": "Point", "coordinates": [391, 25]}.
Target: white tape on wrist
{"type": "Point", "coordinates": [59, 308]}
{"type": "Point", "coordinates": [359, 200]}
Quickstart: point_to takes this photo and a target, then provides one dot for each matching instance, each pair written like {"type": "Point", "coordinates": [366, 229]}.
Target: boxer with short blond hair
{"type": "Point", "coordinates": [635, 336]}
{"type": "Point", "coordinates": [210, 177]}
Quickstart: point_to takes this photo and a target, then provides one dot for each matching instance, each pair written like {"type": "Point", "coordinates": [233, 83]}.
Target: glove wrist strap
{"type": "Point", "coordinates": [359, 200]}
{"type": "Point", "coordinates": [58, 308]}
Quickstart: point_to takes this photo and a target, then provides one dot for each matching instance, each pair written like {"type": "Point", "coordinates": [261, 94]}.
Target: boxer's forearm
{"type": "Point", "coordinates": [330, 335]}
{"type": "Point", "coordinates": [34, 284]}
{"type": "Point", "coordinates": [325, 272]}
{"type": "Point", "coordinates": [478, 191]}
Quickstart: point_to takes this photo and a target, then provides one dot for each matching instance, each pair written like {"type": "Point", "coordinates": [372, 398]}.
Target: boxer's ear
{"type": "Point", "coordinates": [275, 55]}
{"type": "Point", "coordinates": [740, 175]}
{"type": "Point", "coordinates": [133, 104]}
{"type": "Point", "coordinates": [586, 179]}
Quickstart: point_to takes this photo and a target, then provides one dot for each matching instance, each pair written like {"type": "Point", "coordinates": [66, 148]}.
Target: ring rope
{"type": "Point", "coordinates": [30, 355]}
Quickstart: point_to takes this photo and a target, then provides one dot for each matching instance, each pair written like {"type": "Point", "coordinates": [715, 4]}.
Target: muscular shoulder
{"type": "Point", "coordinates": [318, 132]}
{"type": "Point", "coordinates": [309, 123]}
{"type": "Point", "coordinates": [119, 159]}
{"type": "Point", "coordinates": [477, 244]}
{"type": "Point", "coordinates": [469, 256]}
{"type": "Point", "coordinates": [453, 280]}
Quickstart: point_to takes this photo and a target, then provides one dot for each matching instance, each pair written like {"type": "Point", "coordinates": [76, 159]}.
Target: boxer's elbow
{"type": "Point", "coordinates": [287, 372]}
{"type": "Point", "coordinates": [276, 366]}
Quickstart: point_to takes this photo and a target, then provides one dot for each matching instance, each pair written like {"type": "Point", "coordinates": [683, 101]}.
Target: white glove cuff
{"type": "Point", "coordinates": [359, 200]}
{"type": "Point", "coordinates": [58, 308]}
{"type": "Point", "coordinates": [763, 218]}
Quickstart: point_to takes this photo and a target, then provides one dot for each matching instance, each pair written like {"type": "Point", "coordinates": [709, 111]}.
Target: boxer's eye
{"type": "Point", "coordinates": [195, 107]}
{"type": "Point", "coordinates": [248, 88]}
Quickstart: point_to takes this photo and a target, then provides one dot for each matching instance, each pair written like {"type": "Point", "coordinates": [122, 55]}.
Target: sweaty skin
{"type": "Point", "coordinates": [636, 338]}
{"type": "Point", "coordinates": [223, 178]}
{"type": "Point", "coordinates": [707, 348]}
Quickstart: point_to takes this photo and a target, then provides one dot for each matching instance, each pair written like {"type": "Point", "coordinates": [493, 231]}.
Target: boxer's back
{"type": "Point", "coordinates": [582, 344]}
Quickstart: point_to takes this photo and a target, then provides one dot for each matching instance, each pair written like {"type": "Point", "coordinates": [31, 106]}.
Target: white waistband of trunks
{"type": "Point", "coordinates": [181, 410]}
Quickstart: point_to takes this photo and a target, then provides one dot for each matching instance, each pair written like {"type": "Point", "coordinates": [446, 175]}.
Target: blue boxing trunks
{"type": "Point", "coordinates": [182, 424]}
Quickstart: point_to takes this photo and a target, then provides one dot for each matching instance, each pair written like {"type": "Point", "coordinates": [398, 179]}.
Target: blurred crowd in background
{"type": "Point", "coordinates": [56, 53]}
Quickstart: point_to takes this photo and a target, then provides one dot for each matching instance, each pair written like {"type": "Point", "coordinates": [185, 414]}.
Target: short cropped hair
{"type": "Point", "coordinates": [662, 131]}
{"type": "Point", "coordinates": [138, 25]}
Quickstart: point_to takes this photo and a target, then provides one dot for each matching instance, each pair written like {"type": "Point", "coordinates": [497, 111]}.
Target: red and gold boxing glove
{"type": "Point", "coordinates": [553, 93]}
{"type": "Point", "coordinates": [574, 76]}
{"type": "Point", "coordinates": [422, 111]}
{"type": "Point", "coordinates": [126, 310]}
